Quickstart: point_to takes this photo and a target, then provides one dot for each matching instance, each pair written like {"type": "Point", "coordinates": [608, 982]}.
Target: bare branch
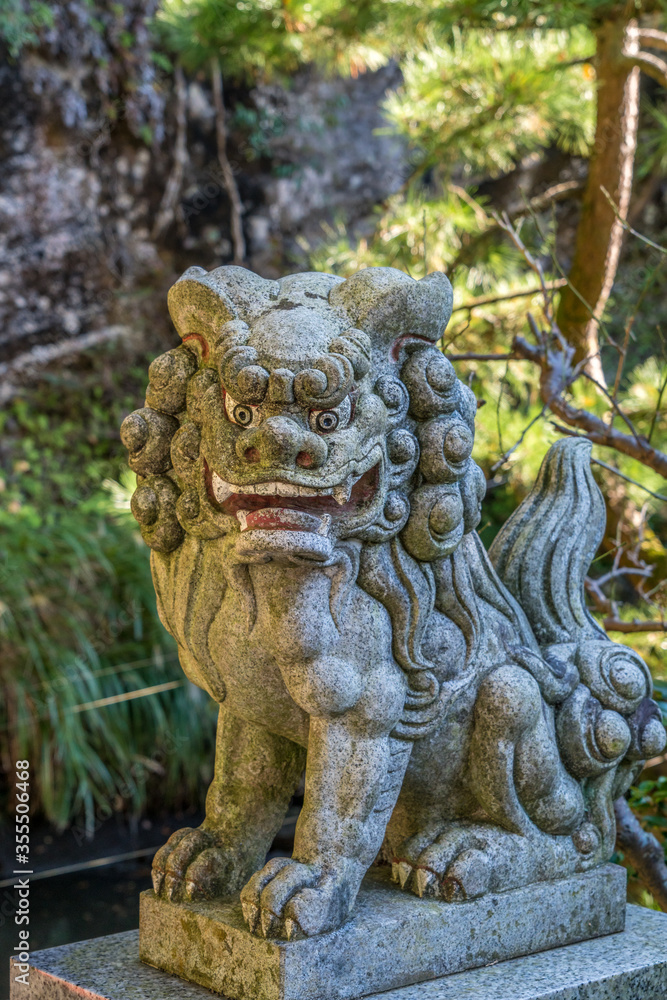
{"type": "Point", "coordinates": [600, 600]}
{"type": "Point", "coordinates": [613, 574]}
{"type": "Point", "coordinates": [628, 479]}
{"type": "Point", "coordinates": [31, 362]}
{"type": "Point", "coordinates": [653, 66]}
{"type": "Point", "coordinates": [228, 179]}
{"type": "Point", "coordinates": [554, 358]}
{"type": "Point", "coordinates": [626, 225]}
{"type": "Point", "coordinates": [657, 407]}
{"type": "Point", "coordinates": [614, 405]}
{"type": "Point", "coordinates": [653, 38]}
{"type": "Point", "coordinates": [643, 851]}
{"type": "Point", "coordinates": [167, 210]}
{"type": "Point", "coordinates": [628, 628]}
{"type": "Point", "coordinates": [489, 300]}
{"type": "Point", "coordinates": [555, 379]}
{"type": "Point", "coordinates": [471, 356]}
{"type": "Point", "coordinates": [503, 458]}
{"type": "Point", "coordinates": [557, 192]}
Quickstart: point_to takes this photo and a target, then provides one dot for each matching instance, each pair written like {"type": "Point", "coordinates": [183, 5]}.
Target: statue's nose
{"type": "Point", "coordinates": [280, 441]}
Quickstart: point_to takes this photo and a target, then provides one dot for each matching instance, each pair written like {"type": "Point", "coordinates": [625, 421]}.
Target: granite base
{"type": "Point", "coordinates": [392, 939]}
{"type": "Point", "coordinates": [631, 965]}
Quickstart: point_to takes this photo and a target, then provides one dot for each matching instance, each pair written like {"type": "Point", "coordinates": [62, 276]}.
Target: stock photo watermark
{"type": "Point", "coordinates": [20, 961]}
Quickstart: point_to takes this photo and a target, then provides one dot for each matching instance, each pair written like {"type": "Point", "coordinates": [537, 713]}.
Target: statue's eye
{"type": "Point", "coordinates": [242, 414]}
{"type": "Point", "coordinates": [326, 421]}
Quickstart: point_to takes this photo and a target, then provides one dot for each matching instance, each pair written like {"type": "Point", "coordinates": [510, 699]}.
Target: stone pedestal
{"type": "Point", "coordinates": [393, 938]}
{"type": "Point", "coordinates": [631, 965]}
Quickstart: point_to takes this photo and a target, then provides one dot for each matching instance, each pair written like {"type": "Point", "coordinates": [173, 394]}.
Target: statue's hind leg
{"type": "Point", "coordinates": [530, 805]}
{"type": "Point", "coordinates": [515, 767]}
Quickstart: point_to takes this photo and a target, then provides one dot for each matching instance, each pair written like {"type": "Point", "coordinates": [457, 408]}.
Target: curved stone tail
{"type": "Point", "coordinates": [543, 552]}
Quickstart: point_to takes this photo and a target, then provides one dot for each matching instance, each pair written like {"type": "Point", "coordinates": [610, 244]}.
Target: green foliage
{"type": "Point", "coordinates": [649, 799]}
{"type": "Point", "coordinates": [20, 22]}
{"type": "Point", "coordinates": [506, 15]}
{"type": "Point", "coordinates": [261, 39]}
{"type": "Point", "coordinates": [652, 143]}
{"type": "Point", "coordinates": [78, 624]}
{"type": "Point", "coordinates": [260, 127]}
{"type": "Point", "coordinates": [482, 100]}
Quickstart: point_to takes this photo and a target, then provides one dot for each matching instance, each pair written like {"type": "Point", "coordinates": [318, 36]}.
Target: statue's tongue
{"type": "Point", "coordinates": [283, 519]}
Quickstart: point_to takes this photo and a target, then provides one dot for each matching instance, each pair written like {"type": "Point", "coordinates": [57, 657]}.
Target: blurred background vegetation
{"type": "Point", "coordinates": [520, 146]}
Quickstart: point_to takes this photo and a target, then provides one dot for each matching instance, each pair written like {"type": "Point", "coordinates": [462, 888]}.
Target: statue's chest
{"type": "Point", "coordinates": [280, 625]}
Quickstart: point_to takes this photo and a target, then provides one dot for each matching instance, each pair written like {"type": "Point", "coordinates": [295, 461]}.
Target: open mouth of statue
{"type": "Point", "coordinates": [277, 504]}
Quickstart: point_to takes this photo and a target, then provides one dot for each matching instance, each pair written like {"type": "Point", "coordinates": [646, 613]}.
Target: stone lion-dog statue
{"type": "Point", "coordinates": [305, 483]}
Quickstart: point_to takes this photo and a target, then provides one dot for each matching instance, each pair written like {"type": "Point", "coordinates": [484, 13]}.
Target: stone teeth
{"type": "Point", "coordinates": [221, 489]}
{"type": "Point", "coordinates": [341, 493]}
{"type": "Point", "coordinates": [287, 490]}
{"type": "Point", "coordinates": [325, 524]}
{"type": "Point", "coordinates": [242, 516]}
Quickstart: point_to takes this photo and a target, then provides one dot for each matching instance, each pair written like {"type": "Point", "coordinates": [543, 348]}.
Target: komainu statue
{"type": "Point", "coordinates": [305, 483]}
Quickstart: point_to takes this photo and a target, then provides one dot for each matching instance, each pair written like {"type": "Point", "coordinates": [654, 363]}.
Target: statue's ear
{"type": "Point", "coordinates": [391, 307]}
{"type": "Point", "coordinates": [201, 302]}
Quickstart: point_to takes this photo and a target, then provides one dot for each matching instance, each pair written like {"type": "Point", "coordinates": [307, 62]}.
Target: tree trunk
{"type": "Point", "coordinates": [600, 233]}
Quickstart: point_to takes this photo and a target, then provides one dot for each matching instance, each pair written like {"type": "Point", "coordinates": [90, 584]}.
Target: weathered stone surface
{"type": "Point", "coordinates": [627, 966]}
{"type": "Point", "coordinates": [307, 487]}
{"type": "Point", "coordinates": [392, 938]}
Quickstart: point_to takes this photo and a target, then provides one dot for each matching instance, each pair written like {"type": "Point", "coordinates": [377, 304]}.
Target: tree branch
{"type": "Point", "coordinates": [489, 300]}
{"type": "Point", "coordinates": [554, 381]}
{"type": "Point", "coordinates": [228, 179]}
{"type": "Point", "coordinates": [628, 479]}
{"type": "Point", "coordinates": [167, 210]}
{"type": "Point", "coordinates": [653, 66]}
{"type": "Point", "coordinates": [554, 357]}
{"type": "Point", "coordinates": [471, 356]}
{"type": "Point", "coordinates": [629, 628]}
{"type": "Point", "coordinates": [643, 852]}
{"type": "Point", "coordinates": [653, 38]}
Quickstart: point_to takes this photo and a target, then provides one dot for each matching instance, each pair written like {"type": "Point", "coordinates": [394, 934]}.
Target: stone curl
{"type": "Point", "coordinates": [446, 502]}
{"type": "Point", "coordinates": [326, 383]}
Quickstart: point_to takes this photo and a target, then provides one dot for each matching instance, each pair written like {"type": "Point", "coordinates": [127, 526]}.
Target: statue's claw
{"type": "Point", "coordinates": [251, 915]}
{"type": "Point", "coordinates": [293, 930]}
{"type": "Point", "coordinates": [270, 923]}
{"type": "Point", "coordinates": [290, 900]}
{"type": "Point", "coordinates": [426, 883]}
{"type": "Point", "coordinates": [192, 866]}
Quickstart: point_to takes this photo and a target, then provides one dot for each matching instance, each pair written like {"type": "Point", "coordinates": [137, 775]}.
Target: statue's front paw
{"type": "Point", "coordinates": [192, 866]}
{"type": "Point", "coordinates": [288, 899]}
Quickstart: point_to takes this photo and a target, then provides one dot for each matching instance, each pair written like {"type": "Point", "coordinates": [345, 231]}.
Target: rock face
{"type": "Point", "coordinates": [87, 138]}
{"type": "Point", "coordinates": [73, 202]}
{"type": "Point", "coordinates": [307, 489]}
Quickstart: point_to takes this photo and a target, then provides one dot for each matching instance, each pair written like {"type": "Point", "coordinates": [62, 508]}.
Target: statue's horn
{"type": "Point", "coordinates": [389, 304]}
{"type": "Point", "coordinates": [201, 302]}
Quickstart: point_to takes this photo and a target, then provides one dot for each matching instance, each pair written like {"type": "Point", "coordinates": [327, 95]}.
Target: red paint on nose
{"type": "Point", "coordinates": [251, 455]}
{"type": "Point", "coordinates": [304, 459]}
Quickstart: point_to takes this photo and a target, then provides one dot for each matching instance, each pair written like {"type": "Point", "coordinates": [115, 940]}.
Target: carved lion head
{"type": "Point", "coordinates": [306, 410]}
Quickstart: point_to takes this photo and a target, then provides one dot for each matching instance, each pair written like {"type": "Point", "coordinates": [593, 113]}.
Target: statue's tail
{"type": "Point", "coordinates": [543, 552]}
{"type": "Point", "coordinates": [607, 723]}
